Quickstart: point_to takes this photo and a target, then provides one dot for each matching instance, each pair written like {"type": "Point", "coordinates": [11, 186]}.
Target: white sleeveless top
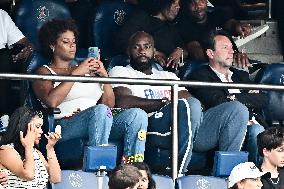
{"type": "Point", "coordinates": [81, 95]}
{"type": "Point", "coordinates": [40, 178]}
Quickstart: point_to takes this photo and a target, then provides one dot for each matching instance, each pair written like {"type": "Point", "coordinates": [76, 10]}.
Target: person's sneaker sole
{"type": "Point", "coordinates": [257, 31]}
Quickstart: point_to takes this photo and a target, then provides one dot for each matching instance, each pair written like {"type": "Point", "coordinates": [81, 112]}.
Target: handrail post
{"type": "Point", "coordinates": [174, 93]}
{"type": "Point", "coordinates": [269, 9]}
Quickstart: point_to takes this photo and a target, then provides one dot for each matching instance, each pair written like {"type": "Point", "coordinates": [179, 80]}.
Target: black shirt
{"type": "Point", "coordinates": [268, 184]}
{"type": "Point", "coordinates": [190, 30]}
{"type": "Point", "coordinates": [164, 33]}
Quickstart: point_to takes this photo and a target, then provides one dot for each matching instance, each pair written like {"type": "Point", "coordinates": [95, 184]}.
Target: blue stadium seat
{"type": "Point", "coordinates": [273, 74]}
{"type": "Point", "coordinates": [198, 182]}
{"type": "Point", "coordinates": [32, 14]}
{"type": "Point", "coordinates": [163, 182]}
{"type": "Point", "coordinates": [190, 67]}
{"type": "Point", "coordinates": [99, 158]}
{"type": "Point", "coordinates": [69, 153]}
{"type": "Point", "coordinates": [108, 18]}
{"type": "Point", "coordinates": [225, 161]}
{"type": "Point", "coordinates": [79, 179]}
{"type": "Point", "coordinates": [159, 160]}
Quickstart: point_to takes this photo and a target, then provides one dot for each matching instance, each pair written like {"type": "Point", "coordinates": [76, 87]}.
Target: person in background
{"type": "Point", "coordinates": [25, 165]}
{"type": "Point", "coordinates": [271, 147]}
{"type": "Point", "coordinates": [155, 18]}
{"type": "Point", "coordinates": [85, 107]}
{"type": "Point", "coordinates": [245, 176]}
{"type": "Point", "coordinates": [14, 47]}
{"type": "Point", "coordinates": [124, 177]}
{"type": "Point", "coordinates": [196, 22]}
{"type": "Point", "coordinates": [146, 181]}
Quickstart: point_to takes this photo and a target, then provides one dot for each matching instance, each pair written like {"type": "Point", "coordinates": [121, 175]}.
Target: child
{"type": "Point", "coordinates": [271, 147]}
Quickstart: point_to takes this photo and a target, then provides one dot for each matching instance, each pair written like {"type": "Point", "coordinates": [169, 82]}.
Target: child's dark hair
{"type": "Point", "coordinates": [124, 176]}
{"type": "Point", "coordinates": [143, 166]}
{"type": "Point", "coordinates": [18, 122]}
{"type": "Point", "coordinates": [271, 138]}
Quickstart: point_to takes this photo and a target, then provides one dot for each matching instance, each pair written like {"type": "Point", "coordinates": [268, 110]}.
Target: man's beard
{"type": "Point", "coordinates": [198, 19]}
{"type": "Point", "coordinates": [139, 65]}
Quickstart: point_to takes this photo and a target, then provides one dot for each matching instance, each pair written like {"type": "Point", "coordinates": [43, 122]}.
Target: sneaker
{"type": "Point", "coordinates": [256, 32]}
{"type": "Point", "coordinates": [4, 120]}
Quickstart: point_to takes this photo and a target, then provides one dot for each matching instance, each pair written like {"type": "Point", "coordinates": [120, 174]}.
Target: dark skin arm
{"type": "Point", "coordinates": [125, 99]}
{"type": "Point", "coordinates": [25, 52]}
{"type": "Point", "coordinates": [237, 28]}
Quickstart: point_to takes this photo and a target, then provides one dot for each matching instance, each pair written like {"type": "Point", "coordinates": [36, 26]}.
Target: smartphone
{"type": "Point", "coordinates": [58, 129]}
{"type": "Point", "coordinates": [94, 52]}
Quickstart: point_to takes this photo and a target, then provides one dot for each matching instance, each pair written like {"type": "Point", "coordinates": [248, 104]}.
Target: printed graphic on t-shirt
{"type": "Point", "coordinates": [157, 94]}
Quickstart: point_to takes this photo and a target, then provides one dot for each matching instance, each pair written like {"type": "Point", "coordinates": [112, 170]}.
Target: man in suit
{"type": "Point", "coordinates": [219, 50]}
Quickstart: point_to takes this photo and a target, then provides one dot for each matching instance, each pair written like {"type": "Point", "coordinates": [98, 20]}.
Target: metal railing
{"type": "Point", "coordinates": [174, 90]}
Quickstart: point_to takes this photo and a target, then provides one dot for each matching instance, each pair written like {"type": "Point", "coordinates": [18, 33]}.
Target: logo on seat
{"type": "Point", "coordinates": [75, 180]}
{"type": "Point", "coordinates": [119, 16]}
{"type": "Point", "coordinates": [43, 13]}
{"type": "Point", "coordinates": [203, 184]}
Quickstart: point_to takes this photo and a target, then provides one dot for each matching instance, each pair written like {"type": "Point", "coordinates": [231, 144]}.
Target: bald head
{"type": "Point", "coordinates": [138, 36]}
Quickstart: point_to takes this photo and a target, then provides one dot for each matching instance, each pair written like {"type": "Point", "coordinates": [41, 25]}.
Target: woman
{"type": "Point", "coordinates": [85, 107]}
{"type": "Point", "coordinates": [245, 176]}
{"type": "Point", "coordinates": [147, 181]}
{"type": "Point", "coordinates": [25, 166]}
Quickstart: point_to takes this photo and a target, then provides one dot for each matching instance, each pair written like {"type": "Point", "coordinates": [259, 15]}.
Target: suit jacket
{"type": "Point", "coordinates": [211, 97]}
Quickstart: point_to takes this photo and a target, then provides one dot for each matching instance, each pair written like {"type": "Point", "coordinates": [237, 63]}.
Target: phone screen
{"type": "Point", "coordinates": [94, 52]}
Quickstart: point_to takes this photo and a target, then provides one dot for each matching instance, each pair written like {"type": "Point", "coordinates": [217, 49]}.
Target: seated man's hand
{"type": "Point", "coordinates": [160, 58]}
{"type": "Point", "coordinates": [23, 54]}
{"type": "Point", "coordinates": [174, 59]}
{"type": "Point", "coordinates": [241, 60]}
{"type": "Point", "coordinates": [243, 29]}
{"type": "Point", "coordinates": [3, 178]}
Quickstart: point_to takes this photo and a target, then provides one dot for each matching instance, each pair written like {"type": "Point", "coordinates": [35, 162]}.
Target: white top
{"type": "Point", "coordinates": [145, 91]}
{"type": "Point", "coordinates": [40, 179]}
{"type": "Point", "coordinates": [9, 32]}
{"type": "Point", "coordinates": [81, 95]}
{"type": "Point", "coordinates": [222, 77]}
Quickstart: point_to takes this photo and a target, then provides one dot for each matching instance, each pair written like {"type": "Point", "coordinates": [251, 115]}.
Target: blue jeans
{"type": "Point", "coordinates": [93, 124]}
{"type": "Point", "coordinates": [189, 120]}
{"type": "Point", "coordinates": [130, 125]}
{"type": "Point", "coordinates": [250, 144]}
{"type": "Point", "coordinates": [223, 126]}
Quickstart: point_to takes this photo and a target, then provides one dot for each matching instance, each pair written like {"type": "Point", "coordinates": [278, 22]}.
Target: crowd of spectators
{"type": "Point", "coordinates": [165, 32]}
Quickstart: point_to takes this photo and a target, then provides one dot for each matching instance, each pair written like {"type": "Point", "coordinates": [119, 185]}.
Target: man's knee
{"type": "Point", "coordinates": [195, 107]}
{"type": "Point", "coordinates": [254, 130]}
{"type": "Point", "coordinates": [99, 110]}
{"type": "Point", "coordinates": [238, 109]}
{"type": "Point", "coordinates": [137, 117]}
